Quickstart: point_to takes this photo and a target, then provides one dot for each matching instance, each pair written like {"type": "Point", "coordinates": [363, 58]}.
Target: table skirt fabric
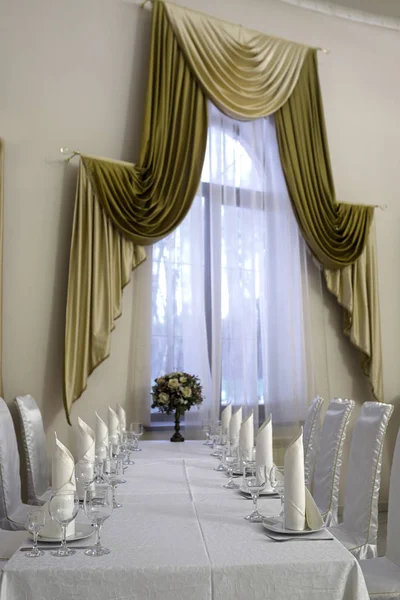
{"type": "Point", "coordinates": [181, 535]}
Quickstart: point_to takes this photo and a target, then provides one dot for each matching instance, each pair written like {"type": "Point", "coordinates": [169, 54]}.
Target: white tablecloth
{"type": "Point", "coordinates": [181, 536]}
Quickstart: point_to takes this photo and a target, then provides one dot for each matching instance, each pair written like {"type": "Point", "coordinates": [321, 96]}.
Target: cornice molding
{"type": "Point", "coordinates": [336, 10]}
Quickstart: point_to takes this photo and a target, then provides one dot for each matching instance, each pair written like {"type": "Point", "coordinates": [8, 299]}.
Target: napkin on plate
{"type": "Point", "coordinates": [113, 422]}
{"type": "Point", "coordinates": [300, 509]}
{"type": "Point", "coordinates": [234, 426]}
{"type": "Point", "coordinates": [84, 448]}
{"type": "Point", "coordinates": [121, 417]}
{"type": "Point", "coordinates": [62, 479]}
{"type": "Point", "coordinates": [226, 415]}
{"type": "Point", "coordinates": [101, 434]}
{"type": "Point", "coordinates": [246, 437]}
{"type": "Point", "coordinates": [264, 452]}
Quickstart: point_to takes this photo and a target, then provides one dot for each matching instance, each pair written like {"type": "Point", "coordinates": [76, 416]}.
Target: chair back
{"type": "Point", "coordinates": [34, 444]}
{"type": "Point", "coordinates": [363, 480]}
{"type": "Point", "coordinates": [10, 483]}
{"type": "Point", "coordinates": [311, 436]}
{"type": "Point", "coordinates": [393, 523]}
{"type": "Point", "coordinates": [329, 459]}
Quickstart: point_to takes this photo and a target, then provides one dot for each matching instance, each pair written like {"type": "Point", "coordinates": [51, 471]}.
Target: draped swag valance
{"type": "Point", "coordinates": [120, 206]}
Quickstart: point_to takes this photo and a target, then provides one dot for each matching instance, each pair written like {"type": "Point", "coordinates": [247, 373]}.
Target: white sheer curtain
{"type": "Point", "coordinates": [230, 285]}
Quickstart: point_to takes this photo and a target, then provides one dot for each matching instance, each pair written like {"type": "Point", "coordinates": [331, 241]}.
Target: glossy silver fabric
{"type": "Point", "coordinates": [382, 574]}
{"type": "Point", "coordinates": [359, 529]}
{"type": "Point", "coordinates": [311, 437]}
{"type": "Point", "coordinates": [34, 443]}
{"type": "Point", "coordinates": [329, 459]}
{"type": "Point", "coordinates": [12, 511]}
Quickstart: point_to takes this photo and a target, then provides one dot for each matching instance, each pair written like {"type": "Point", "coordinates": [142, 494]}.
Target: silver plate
{"type": "Point", "coordinates": [274, 524]}
{"type": "Point", "coordinates": [82, 531]}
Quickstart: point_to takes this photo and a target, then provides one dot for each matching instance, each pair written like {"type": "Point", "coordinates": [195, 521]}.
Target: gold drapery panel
{"type": "Point", "coordinates": [247, 75]}
{"type": "Point", "coordinates": [356, 290]}
{"type": "Point", "coordinates": [101, 262]}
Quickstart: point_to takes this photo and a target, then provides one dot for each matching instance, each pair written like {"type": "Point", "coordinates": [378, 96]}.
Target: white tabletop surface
{"type": "Point", "coordinates": [181, 536]}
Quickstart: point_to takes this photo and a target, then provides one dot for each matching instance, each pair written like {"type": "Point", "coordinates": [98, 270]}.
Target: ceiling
{"type": "Point", "coordinates": [385, 8]}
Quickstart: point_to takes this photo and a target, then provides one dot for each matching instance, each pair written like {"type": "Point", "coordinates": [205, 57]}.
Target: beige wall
{"type": "Point", "coordinates": [73, 74]}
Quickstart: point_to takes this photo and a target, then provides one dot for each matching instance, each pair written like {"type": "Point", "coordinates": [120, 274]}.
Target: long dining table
{"type": "Point", "coordinates": [180, 535]}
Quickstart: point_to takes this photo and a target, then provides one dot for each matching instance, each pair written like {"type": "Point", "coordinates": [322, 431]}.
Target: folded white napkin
{"type": "Point", "coordinates": [226, 415]}
{"type": "Point", "coordinates": [62, 478]}
{"type": "Point", "coordinates": [101, 433]}
{"type": "Point", "coordinates": [264, 452]}
{"type": "Point", "coordinates": [234, 426]}
{"type": "Point", "coordinates": [246, 437]}
{"type": "Point", "coordinates": [84, 448]}
{"type": "Point", "coordinates": [122, 417]}
{"type": "Point", "coordinates": [300, 509]}
{"type": "Point", "coordinates": [113, 422]}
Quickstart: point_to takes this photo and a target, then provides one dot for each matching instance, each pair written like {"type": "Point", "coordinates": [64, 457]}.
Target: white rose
{"type": "Point", "coordinates": [173, 383]}
{"type": "Point", "coordinates": [183, 379]}
{"type": "Point", "coordinates": [163, 398]}
{"type": "Point", "coordinates": [187, 392]}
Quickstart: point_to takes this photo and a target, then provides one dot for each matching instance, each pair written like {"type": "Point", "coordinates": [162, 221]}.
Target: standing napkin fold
{"type": "Point", "coordinates": [113, 422]}
{"type": "Point", "coordinates": [234, 426]}
{"type": "Point", "coordinates": [264, 451]}
{"type": "Point", "coordinates": [62, 478]}
{"type": "Point", "coordinates": [295, 497]}
{"type": "Point", "coordinates": [121, 417]}
{"type": "Point", "coordinates": [101, 435]}
{"type": "Point", "coordinates": [246, 437]}
{"type": "Point", "coordinates": [226, 415]}
{"type": "Point", "coordinates": [84, 448]}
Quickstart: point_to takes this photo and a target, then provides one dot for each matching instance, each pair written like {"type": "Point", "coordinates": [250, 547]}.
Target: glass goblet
{"type": "Point", "coordinates": [130, 446]}
{"type": "Point", "coordinates": [221, 449]}
{"type": "Point", "coordinates": [98, 506]}
{"type": "Point", "coordinates": [206, 431]}
{"type": "Point", "coordinates": [277, 480]}
{"type": "Point", "coordinates": [255, 479]}
{"type": "Point", "coordinates": [85, 473]}
{"type": "Point", "coordinates": [63, 508]}
{"type": "Point", "coordinates": [101, 456]}
{"type": "Point", "coordinates": [137, 429]}
{"type": "Point", "coordinates": [34, 523]}
{"type": "Point", "coordinates": [114, 478]}
{"type": "Point", "coordinates": [231, 461]}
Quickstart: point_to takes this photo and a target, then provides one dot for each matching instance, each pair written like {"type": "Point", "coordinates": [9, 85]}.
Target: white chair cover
{"type": "Point", "coordinates": [359, 529]}
{"type": "Point", "coordinates": [382, 575]}
{"type": "Point", "coordinates": [329, 458]}
{"type": "Point", "coordinates": [311, 436]}
{"type": "Point", "coordinates": [34, 444]}
{"type": "Point", "coordinates": [12, 512]}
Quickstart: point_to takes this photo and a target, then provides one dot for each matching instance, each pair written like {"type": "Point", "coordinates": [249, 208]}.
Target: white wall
{"type": "Point", "coordinates": [73, 73]}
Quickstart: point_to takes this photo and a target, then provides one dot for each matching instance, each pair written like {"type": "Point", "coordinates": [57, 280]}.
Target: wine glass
{"type": "Point", "coordinates": [101, 456]}
{"type": "Point", "coordinates": [85, 472]}
{"type": "Point", "coordinates": [34, 522]}
{"type": "Point", "coordinates": [221, 449]}
{"type": "Point", "coordinates": [137, 429]}
{"type": "Point", "coordinates": [114, 477]}
{"type": "Point", "coordinates": [113, 444]}
{"type": "Point", "coordinates": [231, 461]}
{"type": "Point", "coordinates": [98, 506]}
{"type": "Point", "coordinates": [255, 478]}
{"type": "Point", "coordinates": [277, 480]}
{"type": "Point", "coordinates": [130, 446]}
{"type": "Point", "coordinates": [63, 508]}
{"type": "Point", "coordinates": [207, 432]}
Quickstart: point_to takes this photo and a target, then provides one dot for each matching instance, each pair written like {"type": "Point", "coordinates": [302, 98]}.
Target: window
{"type": "Point", "coordinates": [227, 295]}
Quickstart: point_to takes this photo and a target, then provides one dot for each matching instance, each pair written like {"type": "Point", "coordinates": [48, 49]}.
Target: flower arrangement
{"type": "Point", "coordinates": [176, 392]}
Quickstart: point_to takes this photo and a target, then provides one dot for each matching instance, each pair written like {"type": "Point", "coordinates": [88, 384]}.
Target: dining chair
{"type": "Point", "coordinates": [34, 445]}
{"type": "Point", "coordinates": [329, 459]}
{"type": "Point", "coordinates": [359, 530]}
{"type": "Point", "coordinates": [382, 574]}
{"type": "Point", "coordinates": [12, 511]}
{"type": "Point", "coordinates": [311, 436]}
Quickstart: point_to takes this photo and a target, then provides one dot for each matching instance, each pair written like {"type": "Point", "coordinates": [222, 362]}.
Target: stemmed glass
{"type": "Point", "coordinates": [34, 522]}
{"type": "Point", "coordinates": [231, 461]}
{"type": "Point", "coordinates": [98, 506]}
{"type": "Point", "coordinates": [221, 449]}
{"type": "Point", "coordinates": [85, 472]}
{"type": "Point", "coordinates": [207, 433]}
{"type": "Point", "coordinates": [101, 456]}
{"type": "Point", "coordinates": [113, 444]}
{"type": "Point", "coordinates": [130, 444]}
{"type": "Point", "coordinates": [114, 478]}
{"type": "Point", "coordinates": [137, 429]}
{"type": "Point", "coordinates": [63, 508]}
{"type": "Point", "coordinates": [277, 481]}
{"type": "Point", "coordinates": [255, 478]}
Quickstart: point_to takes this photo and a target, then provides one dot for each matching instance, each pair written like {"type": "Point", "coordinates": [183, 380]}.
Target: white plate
{"type": "Point", "coordinates": [275, 524]}
{"type": "Point", "coordinates": [82, 531]}
{"type": "Point", "coordinates": [271, 493]}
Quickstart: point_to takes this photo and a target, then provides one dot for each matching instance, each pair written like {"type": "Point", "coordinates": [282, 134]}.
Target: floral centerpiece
{"type": "Point", "coordinates": [176, 392]}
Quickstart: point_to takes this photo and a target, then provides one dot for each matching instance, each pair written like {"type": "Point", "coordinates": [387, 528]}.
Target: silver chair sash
{"type": "Point", "coordinates": [311, 436]}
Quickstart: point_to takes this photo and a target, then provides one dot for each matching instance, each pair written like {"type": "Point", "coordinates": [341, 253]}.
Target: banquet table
{"type": "Point", "coordinates": [181, 536]}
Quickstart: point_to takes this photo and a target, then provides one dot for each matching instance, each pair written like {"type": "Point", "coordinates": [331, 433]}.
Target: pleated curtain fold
{"type": "Point", "coordinates": [247, 75]}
